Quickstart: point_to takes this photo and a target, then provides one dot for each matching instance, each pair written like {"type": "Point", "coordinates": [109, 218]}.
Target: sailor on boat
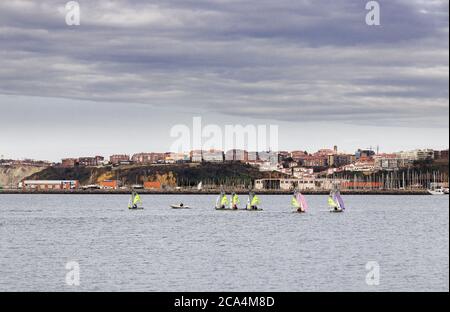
{"type": "Point", "coordinates": [332, 204]}
{"type": "Point", "coordinates": [134, 200]}
{"type": "Point", "coordinates": [299, 202]}
{"type": "Point", "coordinates": [222, 201]}
{"type": "Point", "coordinates": [253, 201]}
{"type": "Point", "coordinates": [335, 201]}
{"type": "Point", "coordinates": [234, 201]}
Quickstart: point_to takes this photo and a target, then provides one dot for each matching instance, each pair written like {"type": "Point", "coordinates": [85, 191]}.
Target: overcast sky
{"type": "Point", "coordinates": [119, 82]}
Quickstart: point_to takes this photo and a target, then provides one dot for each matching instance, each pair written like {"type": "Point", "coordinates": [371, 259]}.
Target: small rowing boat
{"type": "Point", "coordinates": [181, 206]}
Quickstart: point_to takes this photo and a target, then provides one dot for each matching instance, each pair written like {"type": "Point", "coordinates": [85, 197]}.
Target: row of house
{"type": "Point", "coordinates": [361, 160]}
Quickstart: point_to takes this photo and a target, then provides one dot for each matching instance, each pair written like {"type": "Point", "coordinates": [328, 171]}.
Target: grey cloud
{"type": "Point", "coordinates": [266, 59]}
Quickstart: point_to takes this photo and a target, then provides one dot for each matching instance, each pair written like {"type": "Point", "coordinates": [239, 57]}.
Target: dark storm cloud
{"type": "Point", "coordinates": [283, 60]}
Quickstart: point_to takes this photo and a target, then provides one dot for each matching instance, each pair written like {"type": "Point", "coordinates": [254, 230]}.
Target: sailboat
{"type": "Point", "coordinates": [199, 186]}
{"type": "Point", "coordinates": [235, 201]}
{"type": "Point", "coordinates": [222, 201]}
{"type": "Point", "coordinates": [252, 202]}
{"type": "Point", "coordinates": [335, 202]}
{"type": "Point", "coordinates": [299, 203]}
{"type": "Point", "coordinates": [135, 201]}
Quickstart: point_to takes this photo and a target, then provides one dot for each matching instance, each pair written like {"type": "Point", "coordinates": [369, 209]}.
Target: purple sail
{"type": "Point", "coordinates": [340, 201]}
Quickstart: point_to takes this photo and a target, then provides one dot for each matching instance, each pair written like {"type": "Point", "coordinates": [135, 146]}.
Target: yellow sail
{"type": "Point", "coordinates": [236, 199]}
{"type": "Point", "coordinates": [255, 200]}
{"type": "Point", "coordinates": [295, 202]}
{"type": "Point", "coordinates": [224, 200]}
{"type": "Point", "coordinates": [331, 202]}
{"type": "Point", "coordinates": [137, 199]}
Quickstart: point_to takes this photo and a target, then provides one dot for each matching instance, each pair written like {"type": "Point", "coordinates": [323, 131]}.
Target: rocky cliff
{"type": "Point", "coordinates": [12, 175]}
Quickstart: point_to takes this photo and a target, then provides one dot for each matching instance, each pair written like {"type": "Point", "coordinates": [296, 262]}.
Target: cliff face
{"type": "Point", "coordinates": [12, 175]}
{"type": "Point", "coordinates": [169, 175]}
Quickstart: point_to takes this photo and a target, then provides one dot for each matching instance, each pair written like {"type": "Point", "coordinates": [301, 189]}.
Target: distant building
{"type": "Point", "coordinates": [315, 161]}
{"type": "Point", "coordinates": [441, 155]}
{"type": "Point", "coordinates": [354, 185]}
{"type": "Point", "coordinates": [298, 154]}
{"type": "Point", "coordinates": [177, 158]}
{"type": "Point", "coordinates": [252, 156]}
{"type": "Point", "coordinates": [368, 153]}
{"type": "Point", "coordinates": [109, 184]}
{"type": "Point", "coordinates": [267, 166]}
{"type": "Point", "coordinates": [87, 162]}
{"type": "Point", "coordinates": [152, 185]}
{"type": "Point", "coordinates": [283, 155]}
{"type": "Point", "coordinates": [118, 159]}
{"type": "Point", "coordinates": [269, 156]}
{"type": "Point", "coordinates": [301, 172]}
{"type": "Point", "coordinates": [47, 185]}
{"type": "Point", "coordinates": [82, 161]}
{"type": "Point", "coordinates": [69, 162]}
{"type": "Point", "coordinates": [236, 155]}
{"type": "Point", "coordinates": [325, 152]}
{"type": "Point", "coordinates": [417, 155]}
{"type": "Point", "coordinates": [391, 163]}
{"type": "Point", "coordinates": [304, 184]}
{"type": "Point", "coordinates": [339, 160]}
{"type": "Point", "coordinates": [285, 184]}
{"type": "Point", "coordinates": [148, 158]}
{"type": "Point", "coordinates": [213, 156]}
{"type": "Point", "coordinates": [196, 156]}
{"type": "Point", "coordinates": [362, 165]}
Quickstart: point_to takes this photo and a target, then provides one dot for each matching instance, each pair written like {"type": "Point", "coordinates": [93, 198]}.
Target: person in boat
{"type": "Point", "coordinates": [253, 201]}
{"type": "Point", "coordinates": [181, 205]}
{"type": "Point", "coordinates": [234, 201]}
{"type": "Point", "coordinates": [332, 203]}
{"type": "Point", "coordinates": [133, 204]}
{"type": "Point", "coordinates": [295, 202]}
{"type": "Point", "coordinates": [223, 200]}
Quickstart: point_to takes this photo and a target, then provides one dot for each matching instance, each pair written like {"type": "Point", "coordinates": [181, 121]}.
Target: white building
{"type": "Point", "coordinates": [285, 184]}
{"type": "Point", "coordinates": [213, 156]}
{"type": "Point", "coordinates": [385, 163]}
{"type": "Point", "coordinates": [253, 156]}
{"type": "Point", "coordinates": [418, 154]}
{"type": "Point", "coordinates": [269, 156]}
{"type": "Point", "coordinates": [236, 155]}
{"type": "Point", "coordinates": [197, 156]}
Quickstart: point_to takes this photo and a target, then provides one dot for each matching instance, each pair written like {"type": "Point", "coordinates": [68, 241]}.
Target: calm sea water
{"type": "Point", "coordinates": [162, 249]}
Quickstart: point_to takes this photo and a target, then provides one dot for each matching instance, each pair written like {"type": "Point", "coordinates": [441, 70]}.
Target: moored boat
{"type": "Point", "coordinates": [437, 191]}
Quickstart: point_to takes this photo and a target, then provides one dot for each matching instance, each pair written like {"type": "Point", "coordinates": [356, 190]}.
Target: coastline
{"type": "Point", "coordinates": [207, 192]}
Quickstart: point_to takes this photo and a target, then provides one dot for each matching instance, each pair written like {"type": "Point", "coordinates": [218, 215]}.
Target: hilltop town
{"type": "Point", "coordinates": [238, 169]}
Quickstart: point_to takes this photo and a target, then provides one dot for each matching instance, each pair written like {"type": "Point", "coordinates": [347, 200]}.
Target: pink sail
{"type": "Point", "coordinates": [302, 200]}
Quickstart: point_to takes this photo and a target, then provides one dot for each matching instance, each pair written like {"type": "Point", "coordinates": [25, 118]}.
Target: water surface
{"type": "Point", "coordinates": [162, 249]}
